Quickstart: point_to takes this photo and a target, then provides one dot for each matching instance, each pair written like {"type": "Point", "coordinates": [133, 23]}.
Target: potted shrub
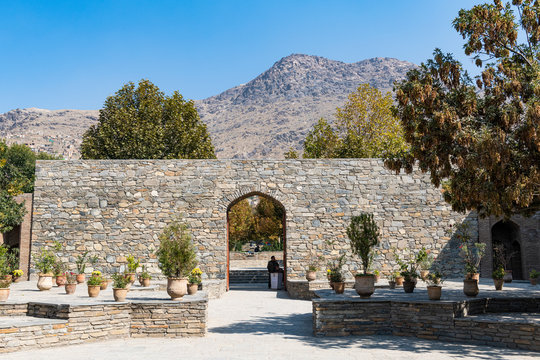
{"type": "Point", "coordinates": [81, 263]}
{"type": "Point", "coordinates": [313, 267]}
{"type": "Point", "coordinates": [409, 269]}
{"type": "Point", "coordinates": [498, 278]}
{"type": "Point", "coordinates": [17, 275]}
{"type": "Point", "coordinates": [132, 265]}
{"type": "Point", "coordinates": [120, 282]}
{"type": "Point", "coordinates": [194, 281]}
{"type": "Point", "coordinates": [44, 262]}
{"type": "Point", "coordinates": [472, 253]}
{"type": "Point", "coordinates": [336, 277]}
{"type": "Point", "coordinates": [176, 256]}
{"type": "Point", "coordinates": [363, 233]}
{"type": "Point", "coordinates": [426, 260]}
{"type": "Point", "coordinates": [392, 279]}
{"type": "Point", "coordinates": [533, 276]}
{"type": "Point", "coordinates": [502, 258]}
{"type": "Point", "coordinates": [4, 289]}
{"type": "Point", "coordinates": [71, 282]}
{"type": "Point", "coordinates": [94, 285]}
{"type": "Point", "coordinates": [377, 275]}
{"type": "Point", "coordinates": [434, 285]}
{"type": "Point", "coordinates": [59, 269]}
{"type": "Point", "coordinates": [144, 278]}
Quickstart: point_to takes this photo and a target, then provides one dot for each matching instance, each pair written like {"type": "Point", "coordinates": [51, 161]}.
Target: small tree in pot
{"type": "Point", "coordinates": [4, 270]}
{"type": "Point", "coordinates": [44, 262]}
{"type": "Point", "coordinates": [120, 283]}
{"type": "Point", "coordinates": [176, 256]}
{"type": "Point", "coordinates": [498, 277]}
{"type": "Point", "coordinates": [363, 233]}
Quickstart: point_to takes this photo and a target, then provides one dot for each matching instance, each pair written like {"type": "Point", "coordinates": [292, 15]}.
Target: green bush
{"type": "Point", "coordinates": [120, 281]}
{"type": "Point", "coordinates": [498, 273]}
{"type": "Point", "coordinates": [364, 235]}
{"type": "Point", "coordinates": [45, 261]}
{"type": "Point", "coordinates": [176, 253]}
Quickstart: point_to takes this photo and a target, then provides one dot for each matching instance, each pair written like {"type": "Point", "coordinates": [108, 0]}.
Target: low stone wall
{"type": "Point", "coordinates": [461, 321]}
{"type": "Point", "coordinates": [48, 324]}
{"type": "Point", "coordinates": [305, 290]}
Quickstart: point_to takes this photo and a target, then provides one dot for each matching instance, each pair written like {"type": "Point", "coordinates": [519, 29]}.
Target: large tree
{"type": "Point", "coordinates": [365, 128]}
{"type": "Point", "coordinates": [480, 139]}
{"type": "Point", "coordinates": [141, 122]}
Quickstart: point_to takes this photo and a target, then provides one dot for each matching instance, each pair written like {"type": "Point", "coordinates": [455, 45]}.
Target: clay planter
{"type": "Point", "coordinates": [339, 287]}
{"type": "Point", "coordinates": [44, 282]}
{"type": "Point", "coordinates": [120, 294]}
{"type": "Point", "coordinates": [471, 276]}
{"type": "Point", "coordinates": [192, 289]}
{"type": "Point", "coordinates": [61, 280]}
{"type": "Point", "coordinates": [176, 288]}
{"type": "Point", "coordinates": [377, 278]}
{"type": "Point", "coordinates": [498, 283]}
{"type": "Point", "coordinates": [508, 276]}
{"type": "Point", "coordinates": [470, 287]}
{"type": "Point", "coordinates": [70, 288]}
{"type": "Point", "coordinates": [364, 285]}
{"type": "Point", "coordinates": [408, 286]}
{"type": "Point", "coordinates": [392, 284]}
{"type": "Point", "coordinates": [145, 282]}
{"type": "Point", "coordinates": [399, 281]}
{"type": "Point", "coordinates": [104, 284]}
{"type": "Point", "coordinates": [434, 292]}
{"type": "Point", "coordinates": [81, 278]}
{"type": "Point", "coordinates": [424, 274]}
{"type": "Point", "coordinates": [132, 277]}
{"type": "Point", "coordinates": [4, 294]}
{"type": "Point", "coordinates": [533, 281]}
{"type": "Point", "coordinates": [93, 290]}
{"type": "Point", "coordinates": [311, 275]}
{"type": "Point", "coordinates": [331, 285]}
{"type": "Point", "coordinates": [16, 279]}
{"type": "Point", "coordinates": [7, 278]}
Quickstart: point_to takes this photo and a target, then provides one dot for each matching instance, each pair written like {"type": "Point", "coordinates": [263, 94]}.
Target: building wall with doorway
{"type": "Point", "coordinates": [114, 208]}
{"type": "Point", "coordinates": [520, 238]}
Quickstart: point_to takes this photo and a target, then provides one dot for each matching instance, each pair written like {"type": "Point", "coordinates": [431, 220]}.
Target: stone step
{"type": "Point", "coordinates": [18, 332]}
{"type": "Point", "coordinates": [248, 276]}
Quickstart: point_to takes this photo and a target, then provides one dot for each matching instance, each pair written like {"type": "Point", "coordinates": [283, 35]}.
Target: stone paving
{"type": "Point", "coordinates": [252, 322]}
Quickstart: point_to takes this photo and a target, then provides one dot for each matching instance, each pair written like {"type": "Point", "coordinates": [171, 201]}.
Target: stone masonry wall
{"type": "Point", "coordinates": [114, 208]}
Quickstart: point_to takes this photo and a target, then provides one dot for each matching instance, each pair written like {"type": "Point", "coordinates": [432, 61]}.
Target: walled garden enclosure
{"type": "Point", "coordinates": [118, 207]}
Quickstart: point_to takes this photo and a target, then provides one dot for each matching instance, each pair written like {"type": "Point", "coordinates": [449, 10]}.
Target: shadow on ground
{"type": "Point", "coordinates": [299, 327]}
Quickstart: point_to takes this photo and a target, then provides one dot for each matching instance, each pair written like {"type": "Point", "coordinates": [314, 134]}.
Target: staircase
{"type": "Point", "coordinates": [248, 276]}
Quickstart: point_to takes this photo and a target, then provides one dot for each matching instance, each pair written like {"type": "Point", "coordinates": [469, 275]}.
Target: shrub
{"type": "Point", "coordinates": [95, 281]}
{"type": "Point", "coordinates": [176, 253]}
{"type": "Point", "coordinates": [45, 261]}
{"type": "Point", "coordinates": [120, 281]}
{"type": "Point", "coordinates": [364, 235]}
{"type": "Point", "coordinates": [132, 264]}
{"type": "Point", "coordinates": [498, 273]}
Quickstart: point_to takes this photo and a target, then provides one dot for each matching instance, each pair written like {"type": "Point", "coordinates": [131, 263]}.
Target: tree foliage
{"type": "Point", "coordinates": [176, 253]}
{"type": "Point", "coordinates": [241, 224]}
{"type": "Point", "coordinates": [363, 233]}
{"type": "Point", "coordinates": [141, 122]}
{"type": "Point", "coordinates": [480, 139]}
{"type": "Point", "coordinates": [365, 128]}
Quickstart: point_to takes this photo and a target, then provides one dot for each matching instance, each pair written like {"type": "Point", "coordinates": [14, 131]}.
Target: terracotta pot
{"type": "Point", "coordinates": [132, 277]}
{"type": "Point", "coordinates": [4, 294]}
{"type": "Point", "coordinates": [392, 284]}
{"type": "Point", "coordinates": [472, 276]}
{"type": "Point", "coordinates": [192, 289]}
{"type": "Point", "coordinates": [81, 278]}
{"type": "Point", "coordinates": [176, 288]}
{"type": "Point", "coordinates": [8, 278]}
{"type": "Point", "coordinates": [399, 281]}
{"type": "Point", "coordinates": [331, 285]}
{"type": "Point", "coordinates": [311, 275]}
{"type": "Point", "coordinates": [44, 282]}
{"type": "Point", "coordinates": [93, 290]}
{"type": "Point", "coordinates": [498, 284]}
{"type": "Point", "coordinates": [120, 294]}
{"type": "Point", "coordinates": [16, 279]}
{"type": "Point", "coordinates": [424, 274]}
{"type": "Point", "coordinates": [104, 285]}
{"type": "Point", "coordinates": [364, 285]}
{"type": "Point", "coordinates": [377, 278]}
{"type": "Point", "coordinates": [145, 282]}
{"type": "Point", "coordinates": [470, 287]}
{"type": "Point", "coordinates": [434, 292]}
{"type": "Point", "coordinates": [533, 281]}
{"type": "Point", "coordinates": [508, 276]}
{"type": "Point", "coordinates": [61, 280]}
{"type": "Point", "coordinates": [70, 288]}
{"type": "Point", "coordinates": [409, 285]}
{"type": "Point", "coordinates": [339, 287]}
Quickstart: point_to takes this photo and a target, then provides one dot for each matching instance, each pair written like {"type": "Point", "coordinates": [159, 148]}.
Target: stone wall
{"type": "Point", "coordinates": [116, 208]}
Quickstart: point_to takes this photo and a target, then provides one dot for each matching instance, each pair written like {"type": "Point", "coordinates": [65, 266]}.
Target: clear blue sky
{"type": "Point", "coordinates": [73, 54]}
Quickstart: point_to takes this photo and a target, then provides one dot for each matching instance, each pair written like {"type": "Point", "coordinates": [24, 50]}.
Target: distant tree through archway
{"type": "Point", "coordinates": [505, 234]}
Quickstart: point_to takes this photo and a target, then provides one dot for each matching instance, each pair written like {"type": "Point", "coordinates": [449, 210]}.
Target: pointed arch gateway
{"type": "Point", "coordinates": [506, 234]}
{"type": "Point", "coordinates": [283, 223]}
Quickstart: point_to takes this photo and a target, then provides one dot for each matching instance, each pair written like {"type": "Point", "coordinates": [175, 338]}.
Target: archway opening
{"type": "Point", "coordinates": [256, 231]}
{"type": "Point", "coordinates": [506, 248]}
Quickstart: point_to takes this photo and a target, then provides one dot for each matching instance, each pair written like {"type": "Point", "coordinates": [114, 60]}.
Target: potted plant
{"type": "Point", "coordinates": [176, 256]}
{"type": "Point", "coordinates": [472, 253]}
{"type": "Point", "coordinates": [94, 285]}
{"type": "Point", "coordinates": [194, 281]}
{"type": "Point", "coordinates": [311, 273]}
{"type": "Point", "coordinates": [44, 262]}
{"type": "Point", "coordinates": [409, 269]}
{"type": "Point", "coordinates": [533, 276]}
{"type": "Point", "coordinates": [144, 278]}
{"type": "Point", "coordinates": [502, 258]}
{"type": "Point", "coordinates": [434, 285]}
{"type": "Point", "coordinates": [336, 276]}
{"type": "Point", "coordinates": [132, 265]}
{"type": "Point", "coordinates": [498, 277]}
{"type": "Point", "coordinates": [363, 233]}
{"type": "Point", "coordinates": [392, 279]}
{"type": "Point", "coordinates": [120, 282]}
{"type": "Point", "coordinates": [377, 275]}
{"type": "Point", "coordinates": [17, 275]}
{"type": "Point", "coordinates": [59, 269]}
{"type": "Point", "coordinates": [10, 261]}
{"type": "Point", "coordinates": [71, 282]}
{"type": "Point", "coordinates": [81, 263]}
{"type": "Point", "coordinates": [426, 260]}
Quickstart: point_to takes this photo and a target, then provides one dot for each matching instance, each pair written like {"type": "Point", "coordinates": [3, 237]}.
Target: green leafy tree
{"type": "Point", "coordinates": [479, 139]}
{"type": "Point", "coordinates": [140, 122]}
{"type": "Point", "coordinates": [363, 233]}
{"type": "Point", "coordinates": [176, 253]}
{"type": "Point", "coordinates": [241, 224]}
{"type": "Point", "coordinates": [321, 142]}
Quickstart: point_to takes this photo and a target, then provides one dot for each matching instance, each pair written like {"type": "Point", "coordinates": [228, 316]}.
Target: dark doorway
{"type": "Point", "coordinates": [505, 236]}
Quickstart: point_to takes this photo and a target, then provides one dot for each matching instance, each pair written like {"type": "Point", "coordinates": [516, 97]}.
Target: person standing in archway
{"type": "Point", "coordinates": [273, 267]}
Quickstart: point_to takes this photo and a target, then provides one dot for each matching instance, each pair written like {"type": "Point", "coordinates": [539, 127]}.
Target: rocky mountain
{"type": "Point", "coordinates": [259, 119]}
